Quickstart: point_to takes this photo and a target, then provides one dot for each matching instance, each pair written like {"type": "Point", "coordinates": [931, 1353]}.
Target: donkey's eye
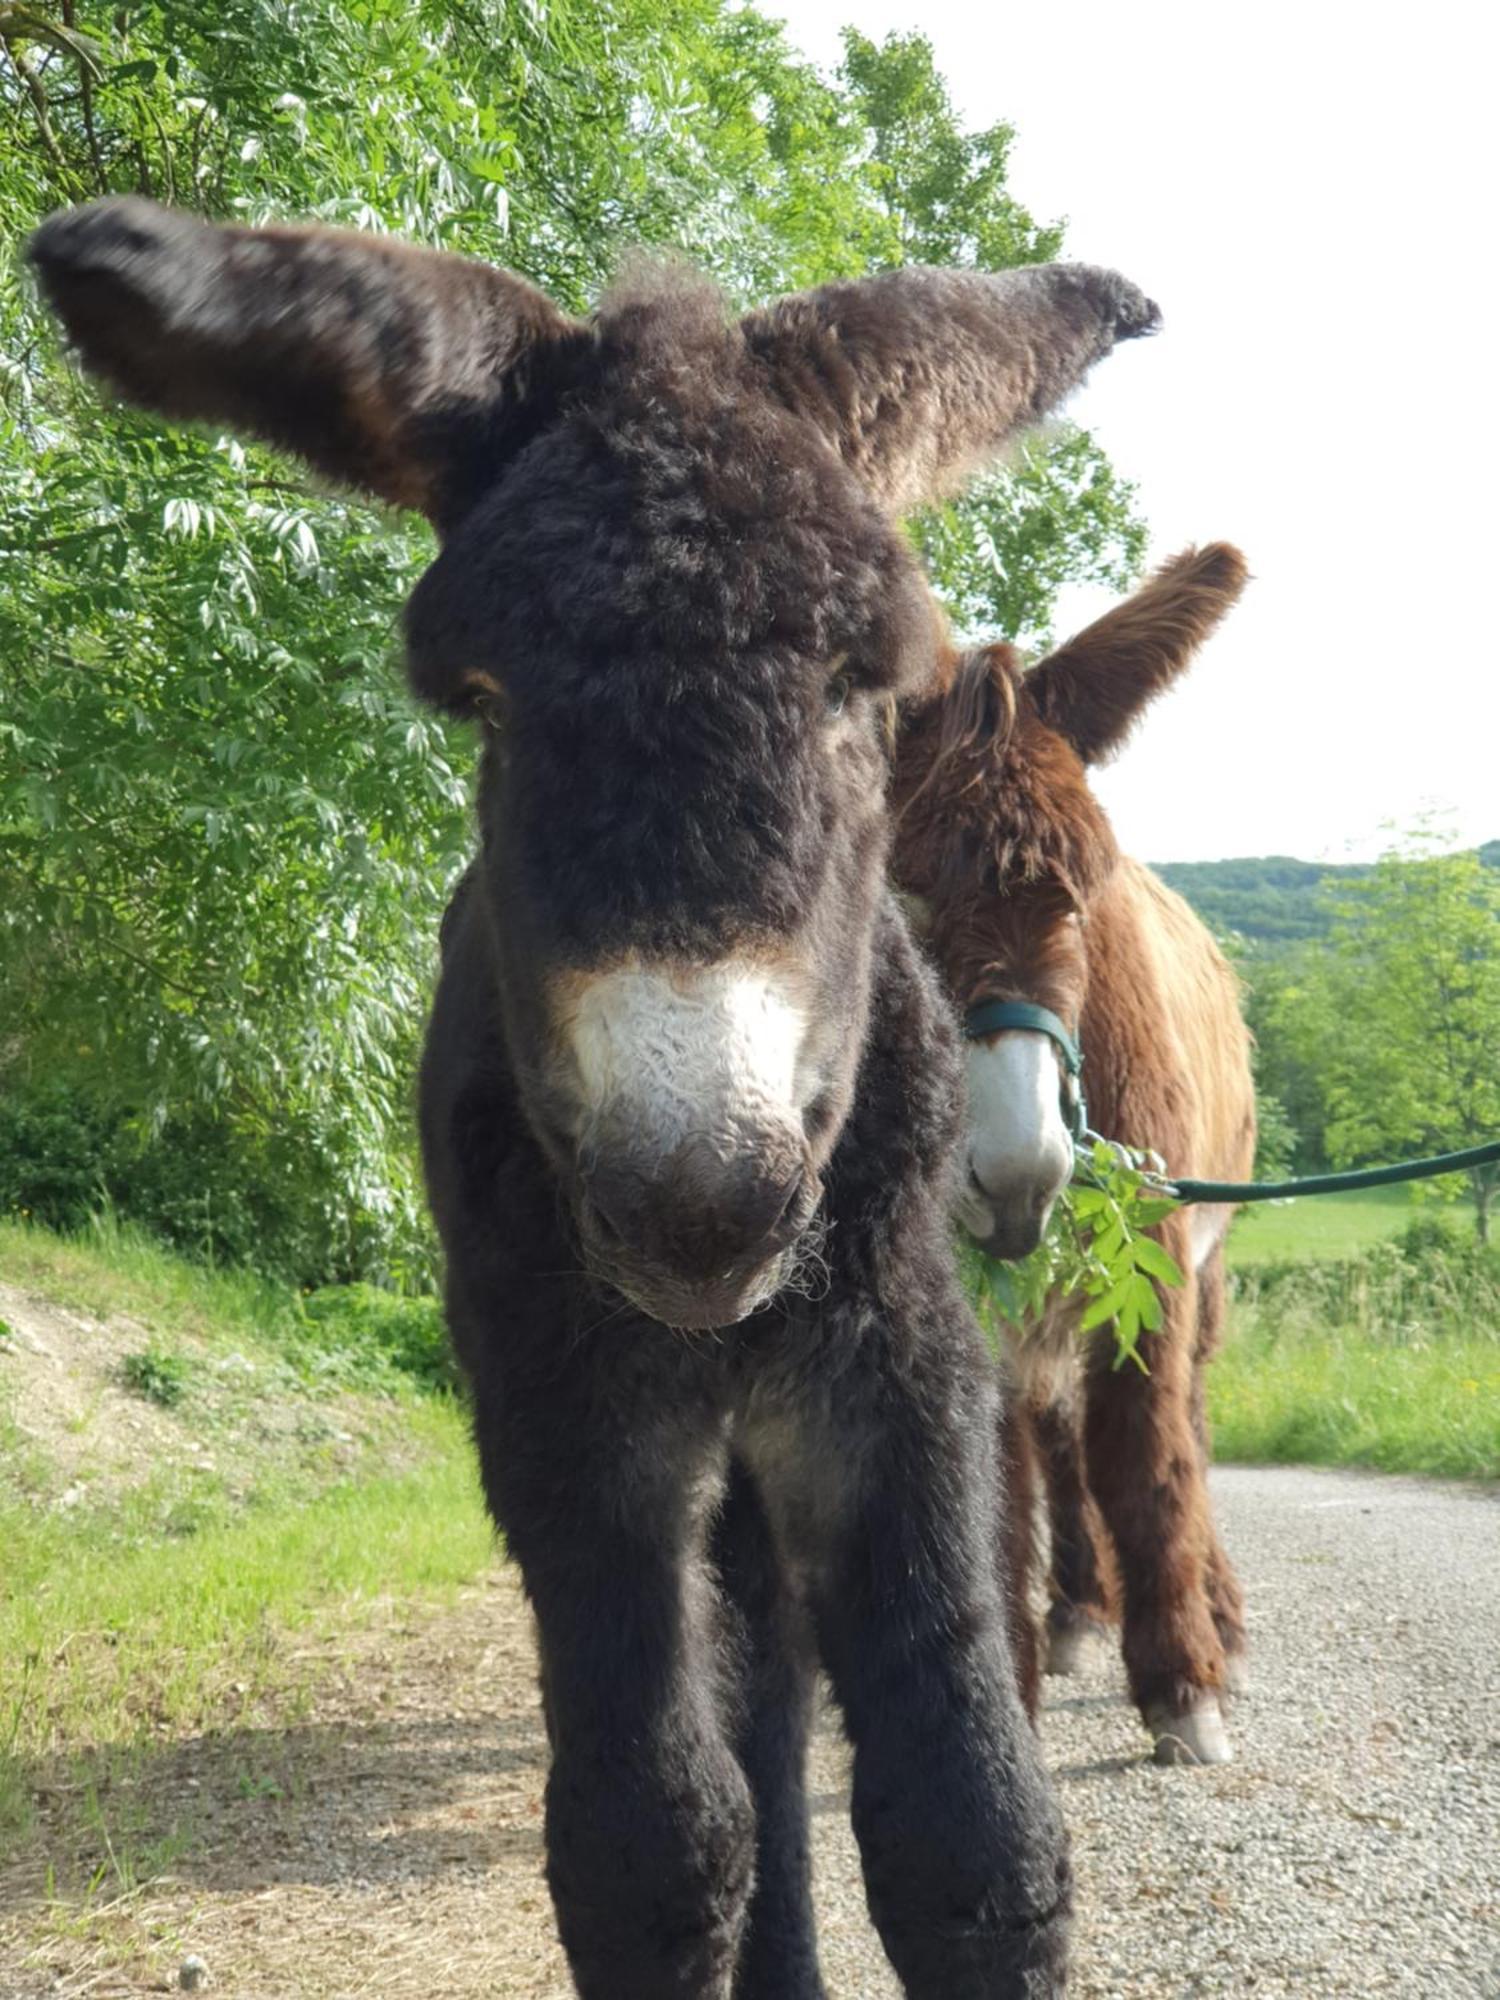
{"type": "Point", "coordinates": [836, 694]}
{"type": "Point", "coordinates": [487, 701]}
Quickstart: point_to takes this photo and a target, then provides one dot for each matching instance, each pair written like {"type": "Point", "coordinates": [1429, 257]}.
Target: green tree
{"type": "Point", "coordinates": [225, 834]}
{"type": "Point", "coordinates": [1289, 1079]}
{"type": "Point", "coordinates": [1400, 1017]}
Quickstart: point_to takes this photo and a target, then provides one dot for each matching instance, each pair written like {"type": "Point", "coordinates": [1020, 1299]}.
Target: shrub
{"type": "Point", "coordinates": [1428, 1282]}
{"type": "Point", "coordinates": [161, 1377]}
{"type": "Point", "coordinates": [289, 1202]}
{"type": "Point", "coordinates": [374, 1330]}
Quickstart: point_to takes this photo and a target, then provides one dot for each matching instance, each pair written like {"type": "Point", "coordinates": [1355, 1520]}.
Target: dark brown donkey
{"type": "Point", "coordinates": [690, 1098]}
{"type": "Point", "coordinates": [1026, 898]}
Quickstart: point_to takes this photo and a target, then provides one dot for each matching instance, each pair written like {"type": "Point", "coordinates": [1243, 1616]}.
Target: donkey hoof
{"type": "Point", "coordinates": [1198, 1737]}
{"type": "Point", "coordinates": [1067, 1644]}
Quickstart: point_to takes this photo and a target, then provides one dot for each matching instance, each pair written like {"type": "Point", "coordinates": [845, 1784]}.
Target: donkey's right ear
{"type": "Point", "coordinates": [404, 371]}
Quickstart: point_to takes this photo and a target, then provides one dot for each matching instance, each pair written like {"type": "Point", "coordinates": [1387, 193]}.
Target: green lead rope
{"type": "Point", "coordinates": [993, 1017]}
{"type": "Point", "coordinates": [1364, 1177]}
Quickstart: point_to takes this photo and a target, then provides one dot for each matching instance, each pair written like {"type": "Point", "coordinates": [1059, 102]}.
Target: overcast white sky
{"type": "Point", "coordinates": [1310, 193]}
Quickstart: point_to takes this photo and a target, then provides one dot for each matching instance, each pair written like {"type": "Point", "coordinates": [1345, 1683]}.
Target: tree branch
{"type": "Point", "coordinates": [32, 84]}
{"type": "Point", "coordinates": [86, 93]}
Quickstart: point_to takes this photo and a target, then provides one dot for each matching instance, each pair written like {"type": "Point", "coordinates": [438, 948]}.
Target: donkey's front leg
{"type": "Point", "coordinates": [1146, 1471]}
{"type": "Point", "coordinates": [1078, 1602]}
{"type": "Point", "coordinates": [777, 1673]}
{"type": "Point", "coordinates": [649, 1823]}
{"type": "Point", "coordinates": [965, 1857]}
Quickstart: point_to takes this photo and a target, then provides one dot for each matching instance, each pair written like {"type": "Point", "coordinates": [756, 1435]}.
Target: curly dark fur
{"type": "Point", "coordinates": [668, 551]}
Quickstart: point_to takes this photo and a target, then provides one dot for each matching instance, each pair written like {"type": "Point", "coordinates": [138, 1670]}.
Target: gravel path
{"type": "Point", "coordinates": [1354, 1846]}
{"type": "Point", "coordinates": [387, 1845]}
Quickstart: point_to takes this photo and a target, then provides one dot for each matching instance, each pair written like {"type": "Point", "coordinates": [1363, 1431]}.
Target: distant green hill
{"type": "Point", "coordinates": [1271, 899]}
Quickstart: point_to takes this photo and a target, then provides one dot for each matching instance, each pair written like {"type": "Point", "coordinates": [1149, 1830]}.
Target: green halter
{"type": "Point", "coordinates": [991, 1017]}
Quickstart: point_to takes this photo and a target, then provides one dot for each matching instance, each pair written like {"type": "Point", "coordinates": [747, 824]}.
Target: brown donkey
{"type": "Point", "coordinates": [1012, 866]}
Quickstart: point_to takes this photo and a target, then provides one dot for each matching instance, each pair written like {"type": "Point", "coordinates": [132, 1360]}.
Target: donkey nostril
{"type": "Point", "coordinates": [693, 1212]}
{"type": "Point", "coordinates": [602, 1223]}
{"type": "Point", "coordinates": [790, 1200]}
{"type": "Point", "coordinates": [610, 1205]}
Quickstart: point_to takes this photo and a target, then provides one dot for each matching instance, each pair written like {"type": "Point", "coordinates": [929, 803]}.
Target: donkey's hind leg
{"type": "Point", "coordinates": [1146, 1470]}
{"type": "Point", "coordinates": [1046, 1363]}
{"type": "Point", "coordinates": [775, 1669]}
{"type": "Point", "coordinates": [1226, 1598]}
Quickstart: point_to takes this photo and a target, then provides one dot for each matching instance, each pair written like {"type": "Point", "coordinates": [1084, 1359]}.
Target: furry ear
{"type": "Point", "coordinates": [400, 370]}
{"type": "Point", "coordinates": [1093, 689]}
{"type": "Point", "coordinates": [918, 377]}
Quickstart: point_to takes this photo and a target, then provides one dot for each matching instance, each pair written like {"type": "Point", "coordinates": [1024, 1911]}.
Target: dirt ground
{"type": "Point", "coordinates": [88, 1439]}
{"type": "Point", "coordinates": [386, 1843]}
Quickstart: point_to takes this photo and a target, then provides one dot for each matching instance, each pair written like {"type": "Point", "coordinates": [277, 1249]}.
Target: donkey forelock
{"type": "Point", "coordinates": [990, 802]}
{"type": "Point", "coordinates": [992, 795]}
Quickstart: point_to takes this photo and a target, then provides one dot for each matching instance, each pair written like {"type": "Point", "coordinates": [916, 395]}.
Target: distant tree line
{"type": "Point", "coordinates": [1270, 899]}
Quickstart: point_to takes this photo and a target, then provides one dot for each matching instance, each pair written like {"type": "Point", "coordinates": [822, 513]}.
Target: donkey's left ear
{"type": "Point", "coordinates": [918, 377]}
{"type": "Point", "coordinates": [1093, 689]}
{"type": "Point", "coordinates": [400, 370]}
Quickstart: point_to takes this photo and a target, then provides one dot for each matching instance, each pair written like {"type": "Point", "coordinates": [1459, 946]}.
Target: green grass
{"type": "Point", "coordinates": [102, 1639]}
{"type": "Point", "coordinates": [112, 1268]}
{"type": "Point", "coordinates": [1329, 1225]}
{"type": "Point", "coordinates": [342, 1335]}
{"type": "Point", "coordinates": [1389, 1357]}
{"type": "Point", "coordinates": [1347, 1399]}
{"type": "Point", "coordinates": [164, 1605]}
{"type": "Point", "coordinates": [107, 1651]}
{"type": "Point", "coordinates": [158, 1375]}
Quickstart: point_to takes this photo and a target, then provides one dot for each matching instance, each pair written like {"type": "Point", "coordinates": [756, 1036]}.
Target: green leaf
{"type": "Point", "coordinates": [1106, 1307]}
{"type": "Point", "coordinates": [1149, 1210]}
{"type": "Point", "coordinates": [1147, 1303]}
{"type": "Point", "coordinates": [1151, 1257]}
{"type": "Point", "coordinates": [1109, 1243]}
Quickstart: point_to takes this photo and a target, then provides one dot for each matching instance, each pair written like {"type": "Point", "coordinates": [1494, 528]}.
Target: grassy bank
{"type": "Point", "coordinates": [103, 1652]}
{"type": "Point", "coordinates": [203, 1478]}
{"type": "Point", "coordinates": [1389, 1358]}
{"type": "Point", "coordinates": [1346, 1400]}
